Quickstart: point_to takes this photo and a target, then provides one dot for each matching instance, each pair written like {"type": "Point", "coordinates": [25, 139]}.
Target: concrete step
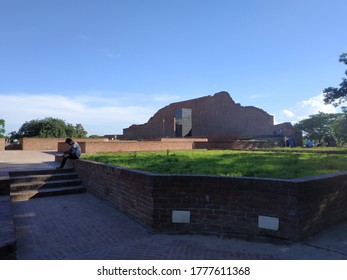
{"type": "Point", "coordinates": [26, 195]}
{"type": "Point", "coordinates": [43, 177]}
{"type": "Point", "coordinates": [35, 185]}
{"type": "Point", "coordinates": [40, 172]}
{"type": "Point", "coordinates": [41, 183]}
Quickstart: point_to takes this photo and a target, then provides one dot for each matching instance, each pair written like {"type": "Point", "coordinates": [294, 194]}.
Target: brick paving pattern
{"type": "Point", "coordinates": [84, 227]}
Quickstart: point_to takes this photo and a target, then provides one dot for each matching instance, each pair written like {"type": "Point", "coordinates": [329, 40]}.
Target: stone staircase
{"type": "Point", "coordinates": [41, 183]}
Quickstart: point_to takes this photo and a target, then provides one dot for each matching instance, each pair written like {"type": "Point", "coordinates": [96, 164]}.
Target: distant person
{"type": "Point", "coordinates": [286, 142]}
{"type": "Point", "coordinates": [291, 142]}
{"type": "Point", "coordinates": [331, 143]}
{"type": "Point", "coordinates": [309, 143]}
{"type": "Point", "coordinates": [73, 153]}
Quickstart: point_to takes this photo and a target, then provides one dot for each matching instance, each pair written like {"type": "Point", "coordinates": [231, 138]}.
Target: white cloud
{"type": "Point", "coordinates": [316, 104]}
{"type": "Point", "coordinates": [303, 109]}
{"type": "Point", "coordinates": [288, 113]}
{"type": "Point", "coordinates": [98, 114]}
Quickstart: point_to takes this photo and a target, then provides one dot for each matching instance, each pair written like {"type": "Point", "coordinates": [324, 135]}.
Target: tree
{"type": "Point", "coordinates": [336, 96]}
{"type": "Point", "coordinates": [14, 135]}
{"type": "Point", "coordinates": [79, 131]}
{"type": "Point", "coordinates": [319, 127]}
{"type": "Point", "coordinates": [94, 136]}
{"type": "Point", "coordinates": [2, 128]}
{"type": "Point", "coordinates": [339, 128]}
{"type": "Point", "coordinates": [51, 127]}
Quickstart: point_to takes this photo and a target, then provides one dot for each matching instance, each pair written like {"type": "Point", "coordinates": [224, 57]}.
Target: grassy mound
{"type": "Point", "coordinates": [268, 164]}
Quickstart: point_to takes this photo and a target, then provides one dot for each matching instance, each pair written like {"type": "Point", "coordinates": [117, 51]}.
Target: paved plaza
{"type": "Point", "coordinates": [85, 227]}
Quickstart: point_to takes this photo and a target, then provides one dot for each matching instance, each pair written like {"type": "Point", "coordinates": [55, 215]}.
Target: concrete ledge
{"type": "Point", "coordinates": [220, 205]}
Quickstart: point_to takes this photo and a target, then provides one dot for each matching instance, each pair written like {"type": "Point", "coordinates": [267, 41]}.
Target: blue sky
{"type": "Point", "coordinates": [108, 64]}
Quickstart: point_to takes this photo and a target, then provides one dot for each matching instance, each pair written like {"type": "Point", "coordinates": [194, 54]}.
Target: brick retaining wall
{"type": "Point", "coordinates": [289, 209]}
{"type": "Point", "coordinates": [322, 201]}
{"type": "Point", "coordinates": [130, 192]}
{"type": "Point", "coordinates": [130, 146]}
{"type": "Point", "coordinates": [235, 145]}
{"type": "Point", "coordinates": [41, 144]}
{"type": "Point", "coordinates": [224, 205]}
{"type": "Point", "coordinates": [103, 145]}
{"type": "Point", "coordinates": [133, 145]}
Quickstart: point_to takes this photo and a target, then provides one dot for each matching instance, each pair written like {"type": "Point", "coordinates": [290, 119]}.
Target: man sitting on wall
{"type": "Point", "coordinates": [73, 153]}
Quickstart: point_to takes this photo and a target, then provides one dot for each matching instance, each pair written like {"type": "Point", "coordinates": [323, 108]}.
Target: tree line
{"type": "Point", "coordinates": [323, 127]}
{"type": "Point", "coordinates": [326, 129]}
{"type": "Point", "coordinates": [46, 128]}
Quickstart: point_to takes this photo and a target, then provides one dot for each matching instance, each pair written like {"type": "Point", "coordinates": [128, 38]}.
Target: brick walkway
{"type": "Point", "coordinates": [85, 227]}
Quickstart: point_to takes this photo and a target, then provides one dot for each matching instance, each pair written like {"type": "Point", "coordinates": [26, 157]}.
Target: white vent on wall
{"type": "Point", "coordinates": [267, 222]}
{"type": "Point", "coordinates": [180, 217]}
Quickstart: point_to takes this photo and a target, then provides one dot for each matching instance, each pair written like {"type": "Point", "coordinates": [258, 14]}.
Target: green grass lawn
{"type": "Point", "coordinates": [284, 165]}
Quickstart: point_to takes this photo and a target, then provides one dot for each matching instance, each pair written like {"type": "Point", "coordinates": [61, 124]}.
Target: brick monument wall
{"type": "Point", "coordinates": [216, 115]}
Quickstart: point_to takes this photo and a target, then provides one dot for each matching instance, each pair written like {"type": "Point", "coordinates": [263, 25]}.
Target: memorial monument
{"type": "Point", "coordinates": [217, 116]}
